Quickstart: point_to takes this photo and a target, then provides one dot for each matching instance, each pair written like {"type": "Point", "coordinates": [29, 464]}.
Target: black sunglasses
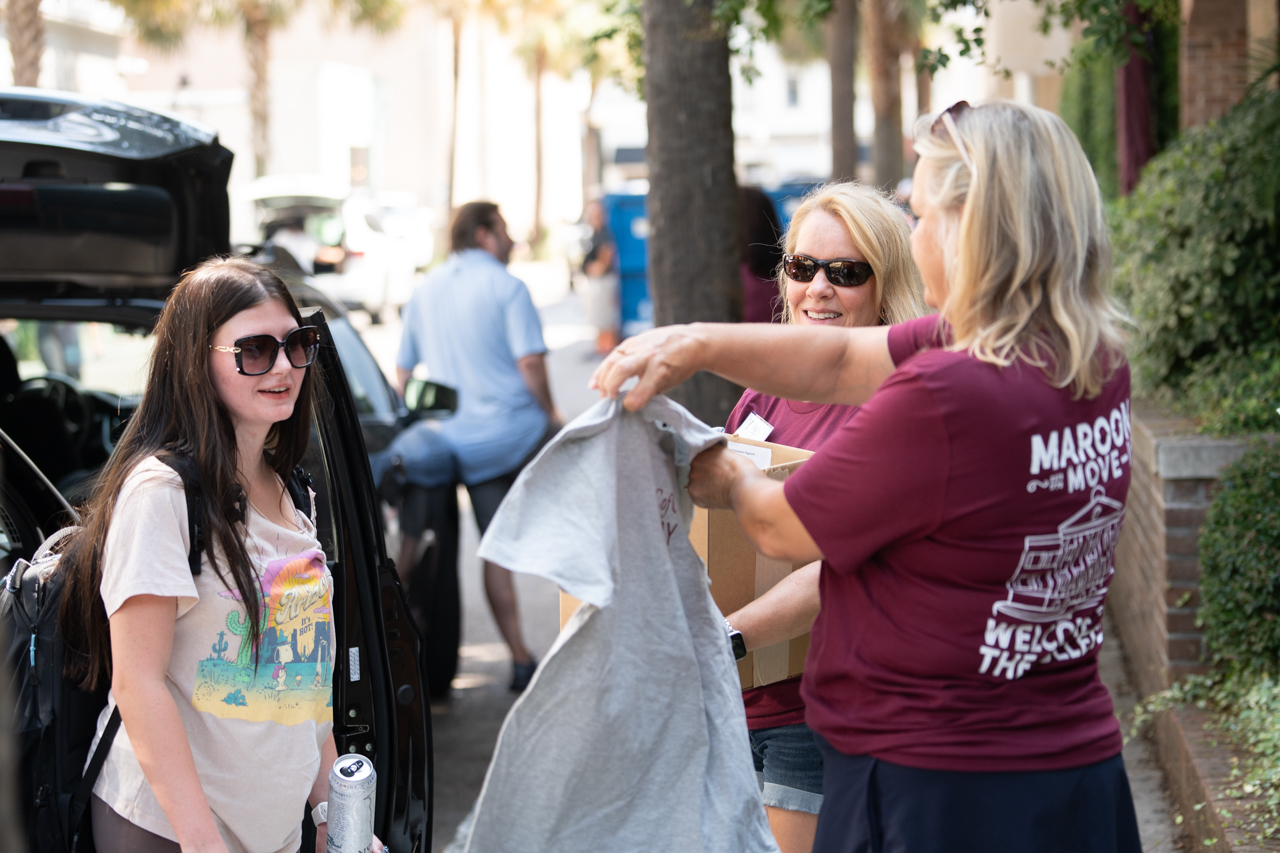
{"type": "Point", "coordinates": [256, 354]}
{"type": "Point", "coordinates": [841, 273]}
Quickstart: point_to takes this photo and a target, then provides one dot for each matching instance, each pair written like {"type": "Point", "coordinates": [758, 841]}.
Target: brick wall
{"type": "Point", "coordinates": [1156, 589]}
{"type": "Point", "coordinates": [1213, 60]}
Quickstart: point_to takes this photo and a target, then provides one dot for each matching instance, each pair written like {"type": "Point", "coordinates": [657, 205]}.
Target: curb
{"type": "Point", "coordinates": [1197, 769]}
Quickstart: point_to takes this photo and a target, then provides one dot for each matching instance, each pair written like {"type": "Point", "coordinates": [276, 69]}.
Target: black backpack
{"type": "Point", "coordinates": [55, 721]}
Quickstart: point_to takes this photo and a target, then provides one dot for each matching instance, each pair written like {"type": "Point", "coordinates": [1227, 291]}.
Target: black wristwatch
{"type": "Point", "coordinates": [736, 642]}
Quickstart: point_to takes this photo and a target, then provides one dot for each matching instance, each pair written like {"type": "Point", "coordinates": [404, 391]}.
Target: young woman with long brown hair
{"type": "Point", "coordinates": [222, 677]}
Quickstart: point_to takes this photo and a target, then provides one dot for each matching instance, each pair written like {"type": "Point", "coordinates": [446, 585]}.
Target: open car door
{"type": "Point", "coordinates": [380, 707]}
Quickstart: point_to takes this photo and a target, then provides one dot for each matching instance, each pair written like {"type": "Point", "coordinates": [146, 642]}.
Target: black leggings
{"type": "Point", "coordinates": [114, 834]}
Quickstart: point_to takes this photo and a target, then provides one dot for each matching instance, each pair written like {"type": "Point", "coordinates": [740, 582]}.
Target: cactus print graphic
{"type": "Point", "coordinates": [288, 678]}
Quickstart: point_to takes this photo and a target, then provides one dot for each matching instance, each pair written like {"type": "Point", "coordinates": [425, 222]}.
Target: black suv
{"type": "Point", "coordinates": [102, 206]}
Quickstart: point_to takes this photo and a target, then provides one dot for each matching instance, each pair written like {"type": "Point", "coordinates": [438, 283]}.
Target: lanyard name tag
{"type": "Point", "coordinates": [755, 428]}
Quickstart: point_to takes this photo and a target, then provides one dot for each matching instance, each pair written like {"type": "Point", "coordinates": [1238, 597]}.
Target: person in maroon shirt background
{"type": "Point", "coordinates": [966, 517]}
{"type": "Point", "coordinates": [851, 223]}
{"type": "Point", "coordinates": [761, 256]}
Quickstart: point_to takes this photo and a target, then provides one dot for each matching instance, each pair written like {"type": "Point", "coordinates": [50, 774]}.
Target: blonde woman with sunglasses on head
{"type": "Point", "coordinates": [966, 518]}
{"type": "Point", "coordinates": [847, 263]}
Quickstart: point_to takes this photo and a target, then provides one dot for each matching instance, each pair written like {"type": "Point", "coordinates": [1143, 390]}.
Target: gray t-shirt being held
{"type": "Point", "coordinates": [632, 735]}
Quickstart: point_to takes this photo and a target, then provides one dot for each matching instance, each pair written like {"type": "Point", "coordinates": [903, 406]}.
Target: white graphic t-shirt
{"type": "Point", "coordinates": [255, 719]}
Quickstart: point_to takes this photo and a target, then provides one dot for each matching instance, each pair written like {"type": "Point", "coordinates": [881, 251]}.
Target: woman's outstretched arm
{"type": "Point", "coordinates": [818, 364]}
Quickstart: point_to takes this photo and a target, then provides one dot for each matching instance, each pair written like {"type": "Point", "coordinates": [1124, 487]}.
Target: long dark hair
{"type": "Point", "coordinates": [181, 412]}
{"type": "Point", "coordinates": [761, 233]}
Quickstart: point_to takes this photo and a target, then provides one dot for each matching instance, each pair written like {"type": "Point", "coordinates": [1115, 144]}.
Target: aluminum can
{"type": "Point", "coordinates": [352, 787]}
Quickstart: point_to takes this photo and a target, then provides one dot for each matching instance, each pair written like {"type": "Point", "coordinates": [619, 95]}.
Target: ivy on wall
{"type": "Point", "coordinates": [1089, 109]}
{"type": "Point", "coordinates": [1089, 101]}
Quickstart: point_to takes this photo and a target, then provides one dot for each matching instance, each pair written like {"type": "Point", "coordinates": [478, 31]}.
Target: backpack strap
{"type": "Point", "coordinates": [181, 463]}
{"type": "Point", "coordinates": [299, 486]}
{"type": "Point", "coordinates": [80, 799]}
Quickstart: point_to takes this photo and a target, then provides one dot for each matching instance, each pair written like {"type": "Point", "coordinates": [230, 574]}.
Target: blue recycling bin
{"type": "Point", "coordinates": [628, 219]}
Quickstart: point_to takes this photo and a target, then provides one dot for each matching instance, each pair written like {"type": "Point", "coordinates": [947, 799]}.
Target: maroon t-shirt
{"type": "Point", "coordinates": [969, 517]}
{"type": "Point", "coordinates": [807, 426]}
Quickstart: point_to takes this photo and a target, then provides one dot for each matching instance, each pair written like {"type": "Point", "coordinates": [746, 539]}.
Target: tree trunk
{"type": "Point", "coordinates": [591, 155]}
{"type": "Point", "coordinates": [693, 194]}
{"type": "Point", "coordinates": [842, 57]}
{"type": "Point", "coordinates": [257, 44]}
{"type": "Point", "coordinates": [886, 90]}
{"type": "Point", "coordinates": [539, 67]}
{"type": "Point", "coordinates": [924, 81]}
{"type": "Point", "coordinates": [25, 28]}
{"type": "Point", "coordinates": [455, 22]}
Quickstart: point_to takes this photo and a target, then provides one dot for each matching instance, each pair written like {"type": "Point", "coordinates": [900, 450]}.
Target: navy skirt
{"type": "Point", "coordinates": [873, 806]}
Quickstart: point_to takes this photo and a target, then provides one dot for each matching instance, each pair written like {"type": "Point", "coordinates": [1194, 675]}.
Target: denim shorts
{"type": "Point", "coordinates": [789, 767]}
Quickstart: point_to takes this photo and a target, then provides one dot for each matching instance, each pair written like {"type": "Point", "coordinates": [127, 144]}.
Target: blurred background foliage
{"type": "Point", "coordinates": [1197, 251]}
{"type": "Point", "coordinates": [1089, 100]}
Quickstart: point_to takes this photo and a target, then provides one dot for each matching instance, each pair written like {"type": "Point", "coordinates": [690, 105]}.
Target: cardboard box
{"type": "Point", "coordinates": [739, 575]}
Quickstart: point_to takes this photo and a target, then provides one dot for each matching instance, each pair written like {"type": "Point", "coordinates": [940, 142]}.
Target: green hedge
{"type": "Point", "coordinates": [1198, 250]}
{"type": "Point", "coordinates": [1235, 394]}
{"type": "Point", "coordinates": [1240, 564]}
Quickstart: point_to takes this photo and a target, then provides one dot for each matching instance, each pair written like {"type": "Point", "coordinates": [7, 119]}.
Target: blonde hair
{"type": "Point", "coordinates": [1025, 245]}
{"type": "Point", "coordinates": [879, 229]}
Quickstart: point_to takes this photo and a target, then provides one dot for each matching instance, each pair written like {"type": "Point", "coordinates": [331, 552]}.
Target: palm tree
{"type": "Point", "coordinates": [842, 56]}
{"type": "Point", "coordinates": [164, 23]}
{"type": "Point", "coordinates": [25, 29]}
{"type": "Point", "coordinates": [456, 12]}
{"type": "Point", "coordinates": [892, 28]}
{"type": "Point", "coordinates": [883, 52]}
{"type": "Point", "coordinates": [553, 37]}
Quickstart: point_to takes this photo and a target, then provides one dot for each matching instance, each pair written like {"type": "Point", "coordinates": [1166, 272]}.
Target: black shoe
{"type": "Point", "coordinates": [522, 674]}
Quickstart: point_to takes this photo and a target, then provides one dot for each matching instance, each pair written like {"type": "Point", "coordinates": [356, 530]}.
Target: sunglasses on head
{"type": "Point", "coordinates": [256, 354]}
{"type": "Point", "coordinates": [945, 125]}
{"type": "Point", "coordinates": [841, 273]}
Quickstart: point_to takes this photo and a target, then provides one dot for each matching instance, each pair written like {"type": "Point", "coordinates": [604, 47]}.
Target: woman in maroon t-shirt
{"type": "Point", "coordinates": [854, 224]}
{"type": "Point", "coordinates": [967, 517]}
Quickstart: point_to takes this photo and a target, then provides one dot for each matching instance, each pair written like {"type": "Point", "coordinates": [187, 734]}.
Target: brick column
{"type": "Point", "coordinates": [1156, 589]}
{"type": "Point", "coordinates": [1213, 58]}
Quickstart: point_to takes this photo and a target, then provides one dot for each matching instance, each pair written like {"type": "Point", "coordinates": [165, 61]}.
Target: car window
{"type": "Point", "coordinates": [314, 463]}
{"type": "Point", "coordinates": [100, 356]}
{"type": "Point", "coordinates": [326, 227]}
{"type": "Point", "coordinates": [368, 386]}
{"type": "Point", "coordinates": [82, 227]}
{"type": "Point", "coordinates": [11, 544]}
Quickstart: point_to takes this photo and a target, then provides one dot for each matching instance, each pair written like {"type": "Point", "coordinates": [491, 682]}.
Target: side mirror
{"type": "Point", "coordinates": [428, 399]}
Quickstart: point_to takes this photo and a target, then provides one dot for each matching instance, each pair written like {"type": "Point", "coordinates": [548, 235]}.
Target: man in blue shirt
{"type": "Point", "coordinates": [474, 325]}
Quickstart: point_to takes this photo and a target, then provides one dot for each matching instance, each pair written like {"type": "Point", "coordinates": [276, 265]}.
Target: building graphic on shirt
{"type": "Point", "coordinates": [288, 679]}
{"type": "Point", "coordinates": [1061, 573]}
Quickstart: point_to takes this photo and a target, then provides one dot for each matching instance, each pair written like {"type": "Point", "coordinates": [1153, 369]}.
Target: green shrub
{"type": "Point", "coordinates": [1235, 394]}
{"type": "Point", "coordinates": [1240, 564]}
{"type": "Point", "coordinates": [1197, 246]}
